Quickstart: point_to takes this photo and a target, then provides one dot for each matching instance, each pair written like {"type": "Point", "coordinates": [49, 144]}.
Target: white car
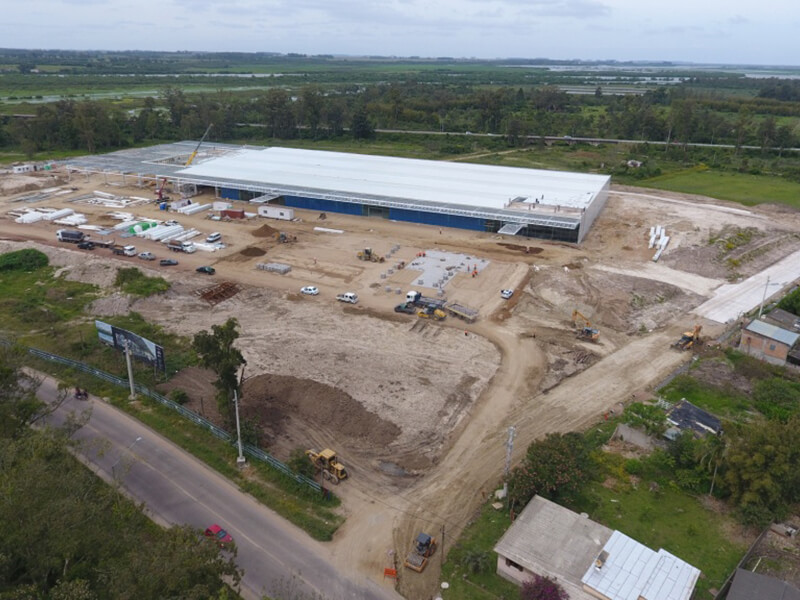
{"type": "Point", "coordinates": [506, 294]}
{"type": "Point", "coordinates": [147, 256]}
{"type": "Point", "coordinates": [309, 290]}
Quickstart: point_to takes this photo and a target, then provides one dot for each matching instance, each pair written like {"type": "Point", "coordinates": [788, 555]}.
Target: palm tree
{"type": "Point", "coordinates": [711, 452]}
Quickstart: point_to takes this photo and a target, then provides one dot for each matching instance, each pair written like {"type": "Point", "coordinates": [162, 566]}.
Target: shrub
{"type": "Point", "coordinates": [23, 260]}
{"type": "Point", "coordinates": [476, 561]}
{"type": "Point", "coordinates": [777, 398]}
{"type": "Point", "coordinates": [542, 588]}
{"type": "Point", "coordinates": [179, 396]}
{"type": "Point", "coordinates": [299, 463]}
{"type": "Point", "coordinates": [133, 281]}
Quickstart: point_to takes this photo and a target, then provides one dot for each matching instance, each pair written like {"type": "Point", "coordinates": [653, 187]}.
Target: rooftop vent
{"type": "Point", "coordinates": [601, 560]}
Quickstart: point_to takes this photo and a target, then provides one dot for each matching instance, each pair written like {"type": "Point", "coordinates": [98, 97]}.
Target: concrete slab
{"type": "Point", "coordinates": [437, 267]}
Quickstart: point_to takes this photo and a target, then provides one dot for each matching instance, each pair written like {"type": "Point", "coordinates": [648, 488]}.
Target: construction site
{"type": "Point", "coordinates": [416, 404]}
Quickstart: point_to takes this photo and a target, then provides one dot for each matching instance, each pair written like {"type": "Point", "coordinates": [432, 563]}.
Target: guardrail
{"type": "Point", "coordinates": [249, 449]}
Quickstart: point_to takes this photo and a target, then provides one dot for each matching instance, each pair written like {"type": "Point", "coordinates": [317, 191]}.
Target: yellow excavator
{"type": "Point", "coordinates": [689, 339]}
{"type": "Point", "coordinates": [584, 327]}
{"type": "Point", "coordinates": [329, 464]}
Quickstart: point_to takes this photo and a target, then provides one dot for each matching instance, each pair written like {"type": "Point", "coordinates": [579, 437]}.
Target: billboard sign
{"type": "Point", "coordinates": [140, 348]}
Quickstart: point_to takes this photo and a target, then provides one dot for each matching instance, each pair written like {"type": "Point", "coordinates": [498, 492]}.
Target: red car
{"type": "Point", "coordinates": [223, 537]}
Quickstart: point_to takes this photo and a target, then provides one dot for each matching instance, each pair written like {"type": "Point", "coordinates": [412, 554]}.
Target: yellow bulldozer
{"type": "Point", "coordinates": [436, 314]}
{"type": "Point", "coordinates": [584, 328]}
{"type": "Point", "coordinates": [368, 255]}
{"type": "Point", "coordinates": [689, 339]}
{"type": "Point", "coordinates": [327, 462]}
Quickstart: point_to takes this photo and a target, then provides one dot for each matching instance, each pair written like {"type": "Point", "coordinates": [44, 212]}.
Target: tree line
{"type": "Point", "coordinates": [675, 115]}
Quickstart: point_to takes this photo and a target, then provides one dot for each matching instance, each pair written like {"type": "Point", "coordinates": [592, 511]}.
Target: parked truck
{"type": "Point", "coordinates": [350, 297]}
{"type": "Point", "coordinates": [123, 250]}
{"type": "Point", "coordinates": [177, 246]}
{"type": "Point", "coordinates": [470, 315]}
{"type": "Point", "coordinates": [73, 236]}
{"type": "Point", "coordinates": [421, 301]}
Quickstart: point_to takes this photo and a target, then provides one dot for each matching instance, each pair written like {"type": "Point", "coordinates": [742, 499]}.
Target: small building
{"type": "Point", "coordinates": [551, 541]}
{"type": "Point", "coordinates": [685, 416]}
{"type": "Point", "coordinates": [628, 570]}
{"type": "Point", "coordinates": [784, 319]}
{"type": "Point", "coordinates": [751, 586]}
{"type": "Point", "coordinates": [17, 169]}
{"type": "Point", "coordinates": [588, 559]}
{"type": "Point", "coordinates": [769, 342]}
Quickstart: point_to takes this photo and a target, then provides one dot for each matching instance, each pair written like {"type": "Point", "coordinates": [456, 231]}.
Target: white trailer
{"type": "Point", "coordinates": [273, 211]}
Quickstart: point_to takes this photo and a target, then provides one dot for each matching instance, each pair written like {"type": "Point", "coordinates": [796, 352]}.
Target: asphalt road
{"type": "Point", "coordinates": [278, 559]}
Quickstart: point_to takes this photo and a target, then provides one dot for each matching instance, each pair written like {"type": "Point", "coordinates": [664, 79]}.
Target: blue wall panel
{"type": "Point", "coordinates": [438, 219]}
{"type": "Point", "coordinates": [347, 208]}
{"type": "Point", "coordinates": [229, 193]}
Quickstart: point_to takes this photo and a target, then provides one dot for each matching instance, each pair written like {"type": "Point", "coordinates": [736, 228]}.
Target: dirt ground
{"type": "Point", "coordinates": [419, 411]}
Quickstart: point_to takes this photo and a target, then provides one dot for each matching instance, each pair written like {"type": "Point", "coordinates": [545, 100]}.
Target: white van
{"type": "Point", "coordinates": [214, 237]}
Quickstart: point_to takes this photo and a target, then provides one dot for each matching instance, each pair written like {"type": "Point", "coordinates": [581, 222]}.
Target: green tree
{"type": "Point", "coordinates": [361, 128]}
{"type": "Point", "coordinates": [554, 467]}
{"type": "Point", "coordinates": [761, 471]}
{"type": "Point", "coordinates": [218, 353]}
{"type": "Point", "coordinates": [710, 453]}
{"type": "Point", "coordinates": [19, 406]}
{"type": "Point", "coordinates": [649, 417]}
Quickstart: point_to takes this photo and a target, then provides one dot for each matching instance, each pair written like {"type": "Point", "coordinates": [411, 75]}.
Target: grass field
{"type": "Point", "coordinates": [738, 187]}
{"type": "Point", "coordinates": [668, 519]}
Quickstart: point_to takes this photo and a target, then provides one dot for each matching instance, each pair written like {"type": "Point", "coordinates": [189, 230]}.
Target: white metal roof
{"type": "Point", "coordinates": [632, 571]}
{"type": "Point", "coordinates": [482, 186]}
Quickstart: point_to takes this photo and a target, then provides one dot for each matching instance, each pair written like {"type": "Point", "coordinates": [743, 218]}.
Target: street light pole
{"type": "Point", "coordinates": [240, 460]}
{"type": "Point", "coordinates": [130, 369]}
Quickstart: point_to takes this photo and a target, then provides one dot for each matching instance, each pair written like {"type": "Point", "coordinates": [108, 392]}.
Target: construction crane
{"type": "Point", "coordinates": [202, 139]}
{"type": "Point", "coordinates": [160, 191]}
{"type": "Point", "coordinates": [689, 339]}
{"type": "Point", "coordinates": [584, 326]}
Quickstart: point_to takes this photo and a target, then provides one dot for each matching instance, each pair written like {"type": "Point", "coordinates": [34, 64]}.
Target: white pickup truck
{"type": "Point", "coordinates": [350, 297]}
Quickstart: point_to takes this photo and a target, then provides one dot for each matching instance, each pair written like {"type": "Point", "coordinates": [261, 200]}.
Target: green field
{"type": "Point", "coordinates": [738, 187]}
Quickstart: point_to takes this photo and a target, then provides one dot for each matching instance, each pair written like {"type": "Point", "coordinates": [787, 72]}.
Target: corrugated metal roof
{"type": "Point", "coordinates": [483, 186]}
{"type": "Point", "coordinates": [773, 332]}
{"type": "Point", "coordinates": [632, 570]}
{"type": "Point", "coordinates": [749, 586]}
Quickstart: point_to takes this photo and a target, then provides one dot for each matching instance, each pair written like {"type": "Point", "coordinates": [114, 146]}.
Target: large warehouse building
{"type": "Point", "coordinates": [514, 201]}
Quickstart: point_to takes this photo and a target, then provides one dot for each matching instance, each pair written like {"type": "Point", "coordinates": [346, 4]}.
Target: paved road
{"type": "Point", "coordinates": [730, 301]}
{"type": "Point", "coordinates": [278, 558]}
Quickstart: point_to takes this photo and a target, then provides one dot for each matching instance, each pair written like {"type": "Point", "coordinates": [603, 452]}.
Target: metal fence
{"type": "Point", "coordinates": [248, 449]}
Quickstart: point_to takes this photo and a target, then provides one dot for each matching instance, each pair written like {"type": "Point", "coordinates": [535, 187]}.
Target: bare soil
{"type": "Point", "coordinates": [419, 411]}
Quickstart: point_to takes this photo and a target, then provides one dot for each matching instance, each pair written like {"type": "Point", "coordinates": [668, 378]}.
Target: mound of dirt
{"type": "Point", "coordinates": [265, 231]}
{"type": "Point", "coordinates": [252, 251]}
{"type": "Point", "coordinates": [272, 399]}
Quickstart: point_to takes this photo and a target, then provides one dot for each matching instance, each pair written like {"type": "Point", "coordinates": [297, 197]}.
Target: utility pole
{"type": "Point", "coordinates": [441, 553]}
{"type": "Point", "coordinates": [763, 298]}
{"type": "Point", "coordinates": [130, 370]}
{"type": "Point", "coordinates": [512, 431]}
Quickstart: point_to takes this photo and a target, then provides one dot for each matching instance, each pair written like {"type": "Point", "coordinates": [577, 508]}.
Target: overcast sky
{"type": "Point", "coordinates": [718, 31]}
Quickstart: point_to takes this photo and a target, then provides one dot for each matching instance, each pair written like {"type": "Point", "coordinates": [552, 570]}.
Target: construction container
{"type": "Point", "coordinates": [272, 211]}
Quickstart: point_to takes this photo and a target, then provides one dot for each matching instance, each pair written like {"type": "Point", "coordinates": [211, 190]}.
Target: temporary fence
{"type": "Point", "coordinates": [248, 449]}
